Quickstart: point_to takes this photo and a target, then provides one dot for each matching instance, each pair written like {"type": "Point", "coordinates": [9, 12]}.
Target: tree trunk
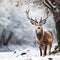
{"type": "Point", "coordinates": [57, 22]}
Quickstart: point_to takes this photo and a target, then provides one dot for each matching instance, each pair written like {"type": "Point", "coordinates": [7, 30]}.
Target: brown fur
{"type": "Point", "coordinates": [43, 40]}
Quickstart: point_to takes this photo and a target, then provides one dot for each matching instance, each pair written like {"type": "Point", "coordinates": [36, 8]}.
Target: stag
{"type": "Point", "coordinates": [43, 38]}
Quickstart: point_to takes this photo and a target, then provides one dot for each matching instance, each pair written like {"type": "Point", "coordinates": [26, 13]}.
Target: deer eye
{"type": "Point", "coordinates": [40, 24]}
{"type": "Point", "coordinates": [36, 23]}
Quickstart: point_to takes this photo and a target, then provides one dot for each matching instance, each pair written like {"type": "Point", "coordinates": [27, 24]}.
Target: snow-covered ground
{"type": "Point", "coordinates": [17, 52]}
{"type": "Point", "coordinates": [13, 19]}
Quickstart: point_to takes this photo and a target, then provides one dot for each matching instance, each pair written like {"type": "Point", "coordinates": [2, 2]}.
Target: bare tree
{"type": "Point", "coordinates": [5, 40]}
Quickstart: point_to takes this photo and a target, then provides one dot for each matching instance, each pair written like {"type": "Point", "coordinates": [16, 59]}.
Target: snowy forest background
{"type": "Point", "coordinates": [16, 31]}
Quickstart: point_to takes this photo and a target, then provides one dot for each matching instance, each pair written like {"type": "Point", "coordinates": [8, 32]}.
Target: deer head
{"type": "Point", "coordinates": [38, 25]}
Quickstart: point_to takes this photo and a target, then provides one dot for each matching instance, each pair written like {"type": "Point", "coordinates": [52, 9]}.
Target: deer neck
{"type": "Point", "coordinates": [40, 35]}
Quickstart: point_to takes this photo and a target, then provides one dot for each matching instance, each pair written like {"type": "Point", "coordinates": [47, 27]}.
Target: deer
{"type": "Point", "coordinates": [43, 38]}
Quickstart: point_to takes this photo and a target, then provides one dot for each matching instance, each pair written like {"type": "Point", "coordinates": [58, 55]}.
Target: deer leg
{"type": "Point", "coordinates": [50, 48]}
{"type": "Point", "coordinates": [45, 50]}
{"type": "Point", "coordinates": [40, 51]}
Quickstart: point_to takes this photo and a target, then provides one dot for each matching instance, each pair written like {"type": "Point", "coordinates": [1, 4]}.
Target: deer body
{"type": "Point", "coordinates": [43, 38]}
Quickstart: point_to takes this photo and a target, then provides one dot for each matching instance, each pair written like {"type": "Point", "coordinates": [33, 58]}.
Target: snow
{"type": "Point", "coordinates": [13, 18]}
{"type": "Point", "coordinates": [17, 52]}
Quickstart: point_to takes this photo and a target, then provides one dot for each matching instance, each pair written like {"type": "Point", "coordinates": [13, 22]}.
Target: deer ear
{"type": "Point", "coordinates": [33, 22]}
{"type": "Point", "coordinates": [42, 22]}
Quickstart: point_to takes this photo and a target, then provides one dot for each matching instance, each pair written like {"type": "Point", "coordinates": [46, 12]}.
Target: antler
{"type": "Point", "coordinates": [43, 21]}
{"type": "Point", "coordinates": [47, 16]}
{"type": "Point", "coordinates": [27, 12]}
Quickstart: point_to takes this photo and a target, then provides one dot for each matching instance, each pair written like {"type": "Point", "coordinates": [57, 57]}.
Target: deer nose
{"type": "Point", "coordinates": [38, 27]}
